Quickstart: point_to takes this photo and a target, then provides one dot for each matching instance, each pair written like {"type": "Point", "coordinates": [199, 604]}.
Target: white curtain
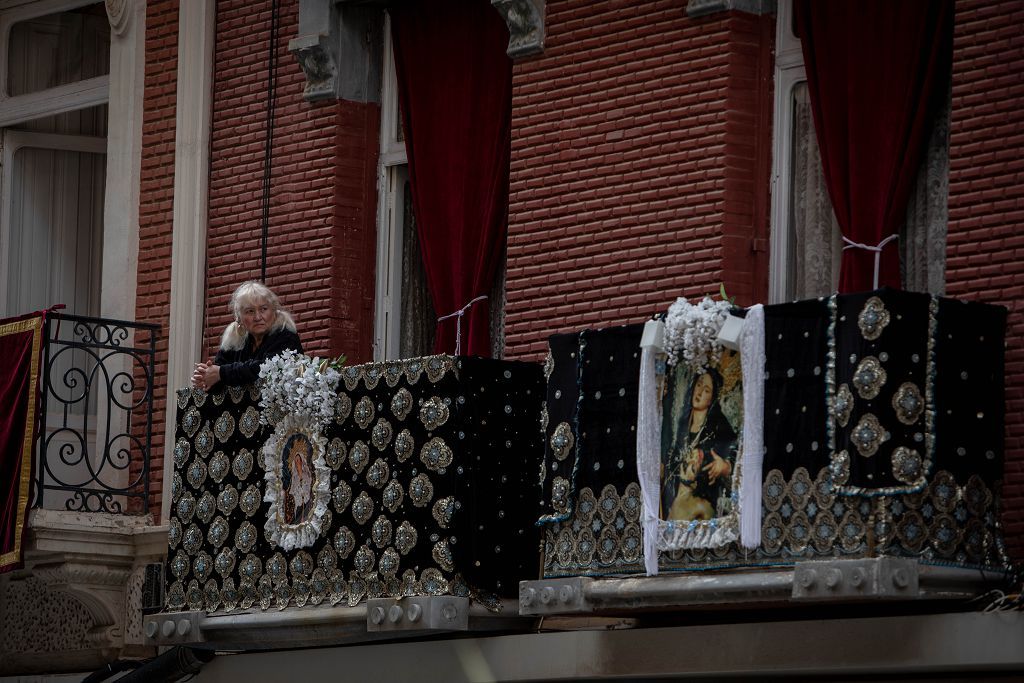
{"type": "Point", "coordinates": [55, 231]}
{"type": "Point", "coordinates": [816, 245]}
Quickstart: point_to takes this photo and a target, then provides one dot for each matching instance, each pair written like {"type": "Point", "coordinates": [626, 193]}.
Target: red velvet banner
{"type": "Point", "coordinates": [21, 341]}
{"type": "Point", "coordinates": [876, 70]}
{"type": "Point", "coordinates": [455, 87]}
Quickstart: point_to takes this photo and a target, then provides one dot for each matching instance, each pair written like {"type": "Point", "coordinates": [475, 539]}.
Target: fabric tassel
{"type": "Point", "coordinates": [752, 356]}
{"type": "Point", "coordinates": [648, 441]}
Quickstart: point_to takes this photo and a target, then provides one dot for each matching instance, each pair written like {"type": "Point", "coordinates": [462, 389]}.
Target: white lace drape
{"type": "Point", "coordinates": [816, 244]}
{"type": "Point", "coordinates": [923, 237]}
{"type": "Point", "coordinates": [816, 251]}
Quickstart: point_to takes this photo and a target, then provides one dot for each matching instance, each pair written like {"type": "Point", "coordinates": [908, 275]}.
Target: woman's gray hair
{"type": "Point", "coordinates": [249, 293]}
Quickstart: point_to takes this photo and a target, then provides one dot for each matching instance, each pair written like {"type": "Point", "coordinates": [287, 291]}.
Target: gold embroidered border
{"type": "Point", "coordinates": [35, 325]}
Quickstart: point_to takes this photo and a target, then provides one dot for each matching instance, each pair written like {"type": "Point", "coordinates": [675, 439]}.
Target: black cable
{"type": "Point", "coordinates": [112, 668]}
{"type": "Point", "coordinates": [268, 152]}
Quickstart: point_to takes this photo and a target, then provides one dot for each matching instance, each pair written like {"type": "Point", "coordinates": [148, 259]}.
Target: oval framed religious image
{"type": "Point", "coordinates": [297, 482]}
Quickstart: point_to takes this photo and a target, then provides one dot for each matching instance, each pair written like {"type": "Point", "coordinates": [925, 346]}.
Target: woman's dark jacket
{"type": "Point", "coordinates": [242, 366]}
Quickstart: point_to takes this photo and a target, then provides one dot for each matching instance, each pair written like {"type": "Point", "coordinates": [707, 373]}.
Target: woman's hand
{"type": "Point", "coordinates": [717, 467]}
{"type": "Point", "coordinates": [205, 375]}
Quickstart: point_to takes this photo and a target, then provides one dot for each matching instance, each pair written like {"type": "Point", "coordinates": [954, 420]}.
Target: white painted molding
{"type": "Point", "coordinates": [390, 218]}
{"type": "Point", "coordinates": [188, 248]}
{"type": "Point", "coordinates": [124, 162]}
{"type": "Point", "coordinates": [56, 100]}
{"type": "Point", "coordinates": [789, 71]}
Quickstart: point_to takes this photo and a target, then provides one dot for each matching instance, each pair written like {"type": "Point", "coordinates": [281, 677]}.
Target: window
{"type": "Point", "coordinates": [52, 180]}
{"type": "Point", "coordinates": [405, 319]}
{"type": "Point", "coordinates": [806, 244]}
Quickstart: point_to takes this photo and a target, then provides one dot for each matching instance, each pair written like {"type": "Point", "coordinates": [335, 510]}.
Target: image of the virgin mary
{"type": "Point", "coordinates": [297, 479]}
{"type": "Point", "coordinates": [698, 452]}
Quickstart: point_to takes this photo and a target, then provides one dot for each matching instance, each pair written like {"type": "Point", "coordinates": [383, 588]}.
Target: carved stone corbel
{"type": "Point", "coordinates": [118, 14]}
{"type": "Point", "coordinates": [318, 63]}
{"type": "Point", "coordinates": [339, 46]}
{"type": "Point", "coordinates": [77, 602]}
{"type": "Point", "coordinates": [525, 19]}
{"type": "Point", "coordinates": [98, 587]}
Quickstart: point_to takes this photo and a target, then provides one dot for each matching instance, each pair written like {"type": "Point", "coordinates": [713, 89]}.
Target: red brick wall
{"type": "Point", "coordinates": [985, 246]}
{"type": "Point", "coordinates": [636, 136]}
{"type": "Point", "coordinates": [156, 201]}
{"type": "Point", "coordinates": [322, 234]}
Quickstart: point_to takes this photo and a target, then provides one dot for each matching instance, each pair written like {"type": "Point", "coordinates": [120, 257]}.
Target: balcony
{"type": "Point", "coordinates": [393, 557]}
{"type": "Point", "coordinates": [77, 601]}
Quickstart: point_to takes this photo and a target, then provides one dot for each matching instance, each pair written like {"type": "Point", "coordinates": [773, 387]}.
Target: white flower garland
{"type": "Point", "coordinates": [298, 385]}
{"type": "Point", "coordinates": [691, 332]}
{"type": "Point", "coordinates": [298, 396]}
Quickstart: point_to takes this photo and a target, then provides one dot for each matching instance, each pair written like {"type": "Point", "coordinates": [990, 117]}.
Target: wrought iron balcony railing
{"type": "Point", "coordinates": [97, 415]}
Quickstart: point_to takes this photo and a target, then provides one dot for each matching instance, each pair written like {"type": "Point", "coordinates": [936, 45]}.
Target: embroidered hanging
{"type": "Point", "coordinates": [21, 341]}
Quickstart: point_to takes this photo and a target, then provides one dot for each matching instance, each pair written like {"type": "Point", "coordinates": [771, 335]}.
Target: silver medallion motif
{"type": "Point", "coordinates": [869, 377]}
{"type": "Point", "coordinates": [873, 318]}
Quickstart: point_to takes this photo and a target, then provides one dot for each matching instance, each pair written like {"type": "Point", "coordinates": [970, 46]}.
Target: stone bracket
{"type": "Point", "coordinates": [418, 613]}
{"type": "Point", "coordinates": [525, 20]}
{"type": "Point", "coordinates": [554, 596]}
{"type": "Point", "coordinates": [339, 47]}
{"type": "Point", "coordinates": [178, 628]}
{"type": "Point", "coordinates": [318, 63]}
{"type": "Point", "coordinates": [876, 578]}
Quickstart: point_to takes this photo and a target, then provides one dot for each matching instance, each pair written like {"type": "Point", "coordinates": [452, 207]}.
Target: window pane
{"type": "Point", "coordinates": [56, 231]}
{"type": "Point", "coordinates": [57, 49]}
{"type": "Point", "coordinates": [91, 122]}
{"type": "Point", "coordinates": [419, 321]}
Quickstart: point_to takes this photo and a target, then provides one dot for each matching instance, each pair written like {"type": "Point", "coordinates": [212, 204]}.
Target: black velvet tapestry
{"type": "Point", "coordinates": [917, 387]}
{"type": "Point", "coordinates": [795, 340]}
{"type": "Point", "coordinates": [590, 433]}
{"type": "Point", "coordinates": [591, 498]}
{"type": "Point", "coordinates": [911, 387]}
{"type": "Point", "coordinates": [432, 468]}
{"type": "Point", "coordinates": [952, 516]}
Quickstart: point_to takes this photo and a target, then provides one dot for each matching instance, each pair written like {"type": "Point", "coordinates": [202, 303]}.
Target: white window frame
{"type": "Point", "coordinates": [392, 173]}
{"type": "Point", "coordinates": [789, 72]}
{"type": "Point", "coordinates": [51, 101]}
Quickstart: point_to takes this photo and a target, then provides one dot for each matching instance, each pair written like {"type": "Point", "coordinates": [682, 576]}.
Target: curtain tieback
{"type": "Point", "coordinates": [458, 321]}
{"type": "Point", "coordinates": [850, 244]}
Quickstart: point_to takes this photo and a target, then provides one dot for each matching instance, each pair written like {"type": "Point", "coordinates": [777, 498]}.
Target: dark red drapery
{"type": "Point", "coordinates": [875, 71]}
{"type": "Point", "coordinates": [455, 88]}
{"type": "Point", "coordinates": [20, 346]}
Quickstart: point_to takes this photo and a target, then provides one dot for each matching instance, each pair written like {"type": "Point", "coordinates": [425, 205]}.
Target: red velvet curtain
{"type": "Point", "coordinates": [875, 71]}
{"type": "Point", "coordinates": [455, 88]}
{"type": "Point", "coordinates": [20, 346]}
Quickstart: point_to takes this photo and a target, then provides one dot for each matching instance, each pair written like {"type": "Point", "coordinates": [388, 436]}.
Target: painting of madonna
{"type": "Point", "coordinates": [297, 479]}
{"type": "Point", "coordinates": [701, 417]}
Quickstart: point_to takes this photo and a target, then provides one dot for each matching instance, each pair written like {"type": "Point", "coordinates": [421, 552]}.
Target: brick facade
{"type": "Point", "coordinates": [322, 227]}
{"type": "Point", "coordinates": [985, 245]}
{"type": "Point", "coordinates": [156, 202]}
{"type": "Point", "coordinates": [640, 157]}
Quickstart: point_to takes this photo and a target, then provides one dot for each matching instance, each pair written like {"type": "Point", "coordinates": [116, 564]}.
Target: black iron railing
{"type": "Point", "coordinates": [97, 415]}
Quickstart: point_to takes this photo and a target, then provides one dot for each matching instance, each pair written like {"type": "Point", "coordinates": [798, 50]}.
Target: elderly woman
{"type": "Point", "coordinates": [262, 329]}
